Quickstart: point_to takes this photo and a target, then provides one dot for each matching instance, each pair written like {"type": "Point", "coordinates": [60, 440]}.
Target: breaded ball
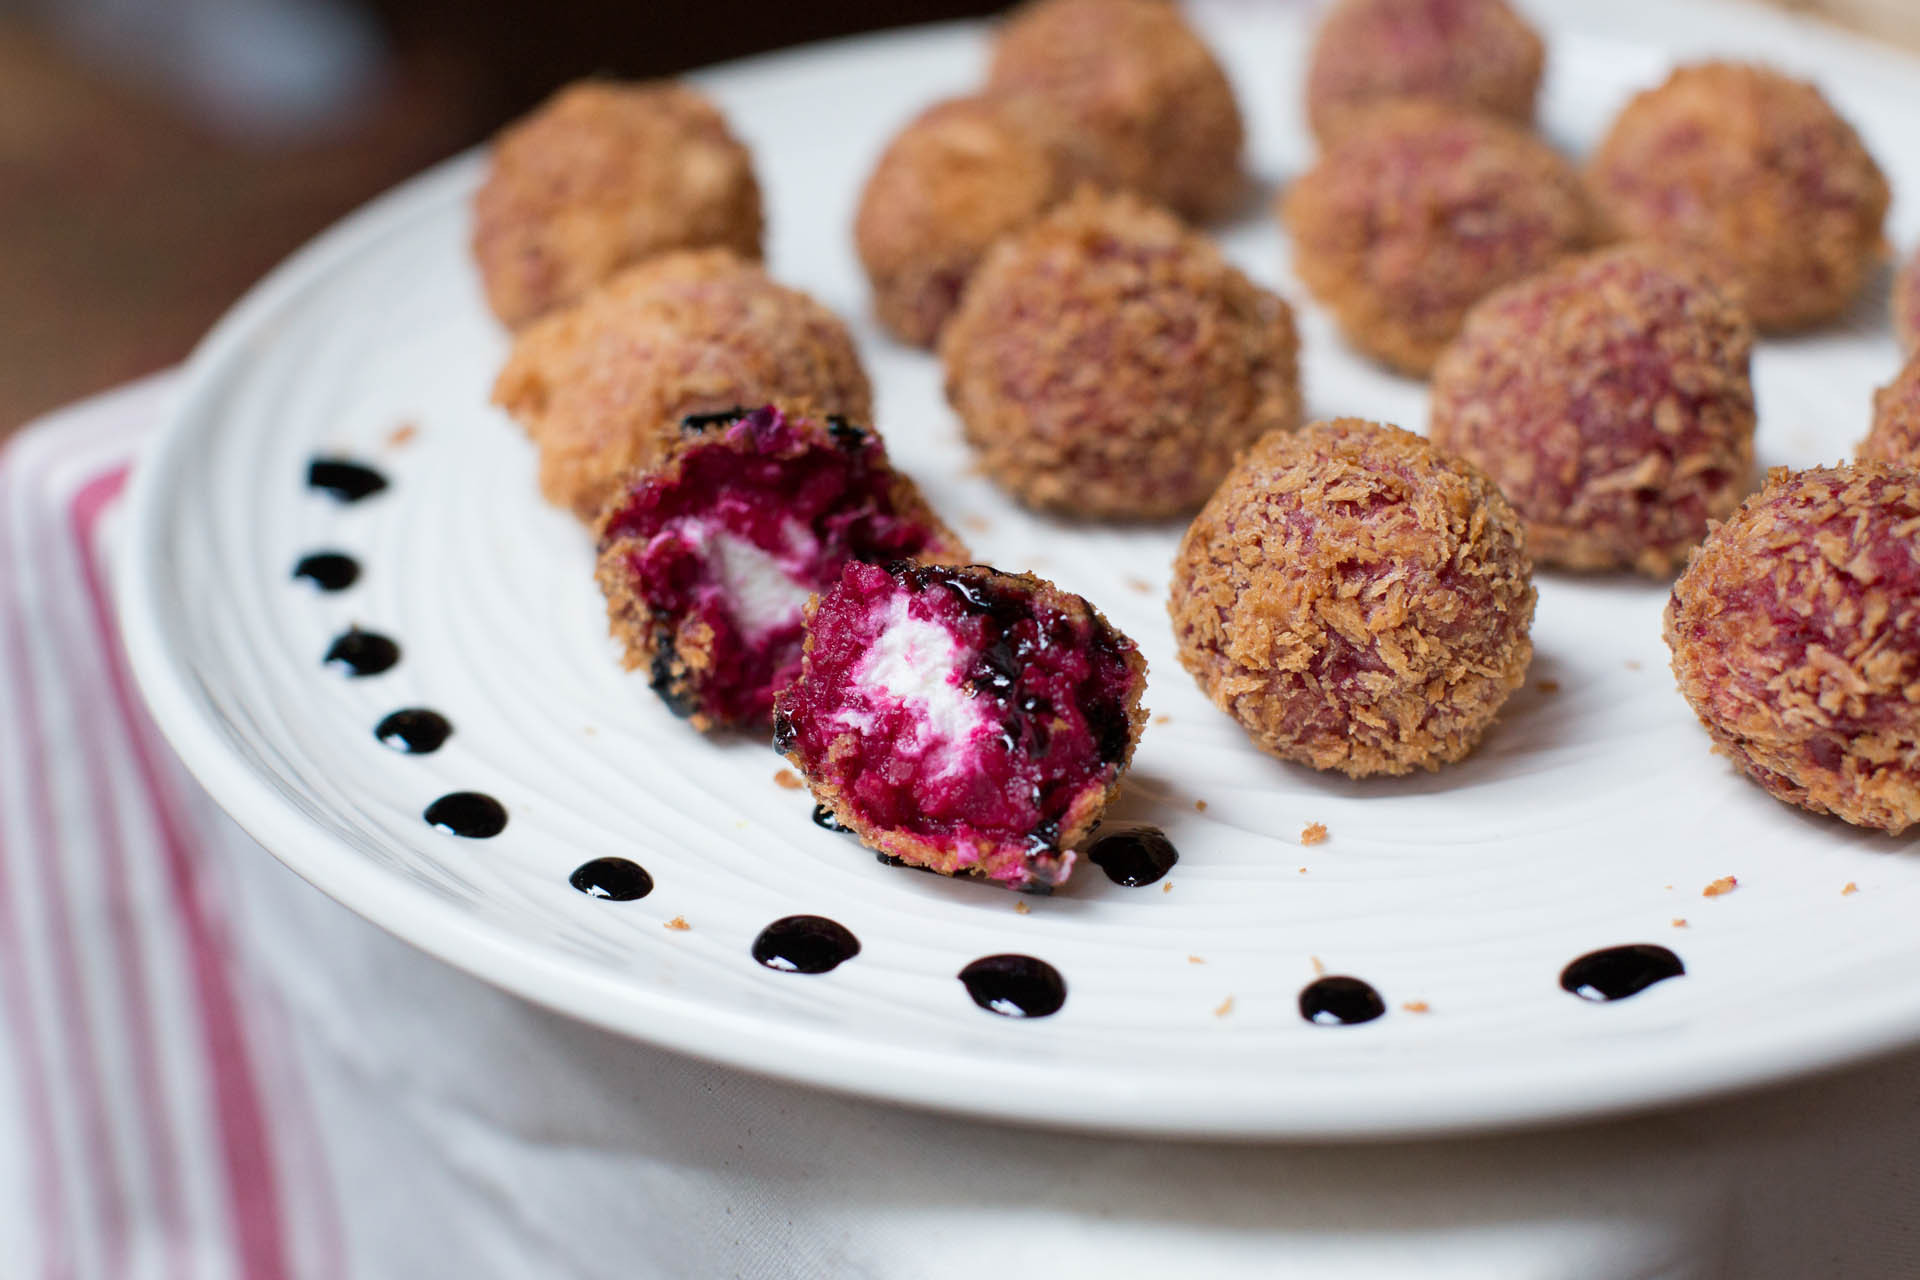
{"type": "Point", "coordinates": [1418, 211]}
{"type": "Point", "coordinates": [962, 719]}
{"type": "Point", "coordinates": [961, 175]}
{"type": "Point", "coordinates": [708, 560]}
{"type": "Point", "coordinates": [1478, 54]}
{"type": "Point", "coordinates": [1754, 172]}
{"type": "Point", "coordinates": [602, 176]}
{"type": "Point", "coordinates": [1140, 96]}
{"type": "Point", "coordinates": [1611, 400]}
{"type": "Point", "coordinates": [1356, 599]}
{"type": "Point", "coordinates": [1906, 305]}
{"type": "Point", "coordinates": [602, 386]}
{"type": "Point", "coordinates": [1895, 436]}
{"type": "Point", "coordinates": [1108, 362]}
{"type": "Point", "coordinates": [1796, 638]}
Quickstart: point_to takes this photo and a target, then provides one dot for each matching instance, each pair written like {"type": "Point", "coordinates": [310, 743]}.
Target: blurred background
{"type": "Point", "coordinates": [158, 156]}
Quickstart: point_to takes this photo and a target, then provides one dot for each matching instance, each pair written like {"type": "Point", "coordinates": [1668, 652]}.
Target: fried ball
{"type": "Point", "coordinates": [962, 719]}
{"type": "Point", "coordinates": [707, 561]}
{"type": "Point", "coordinates": [1108, 362]}
{"type": "Point", "coordinates": [1140, 96]}
{"type": "Point", "coordinates": [1895, 436]}
{"type": "Point", "coordinates": [602, 176]}
{"type": "Point", "coordinates": [1611, 400]}
{"type": "Point", "coordinates": [1356, 599]}
{"type": "Point", "coordinates": [1796, 638]}
{"type": "Point", "coordinates": [1478, 54]}
{"type": "Point", "coordinates": [1417, 212]}
{"type": "Point", "coordinates": [1755, 173]}
{"type": "Point", "coordinates": [1906, 305]}
{"type": "Point", "coordinates": [960, 176]}
{"type": "Point", "coordinates": [601, 387]}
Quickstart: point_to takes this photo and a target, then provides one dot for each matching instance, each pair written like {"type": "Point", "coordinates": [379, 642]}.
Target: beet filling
{"type": "Point", "coordinates": [961, 718]}
{"type": "Point", "coordinates": [708, 563]}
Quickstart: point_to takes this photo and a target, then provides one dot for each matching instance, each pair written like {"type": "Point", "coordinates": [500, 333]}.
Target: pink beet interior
{"type": "Point", "coordinates": [760, 480]}
{"type": "Point", "coordinates": [1051, 693]}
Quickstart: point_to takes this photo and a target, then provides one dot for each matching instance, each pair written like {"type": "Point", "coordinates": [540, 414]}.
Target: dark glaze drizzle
{"type": "Point", "coordinates": [1615, 973]}
{"type": "Point", "coordinates": [344, 481]}
{"type": "Point", "coordinates": [361, 653]}
{"type": "Point", "coordinates": [1015, 986]}
{"type": "Point", "coordinates": [696, 423]}
{"type": "Point", "coordinates": [328, 570]}
{"type": "Point", "coordinates": [1338, 1001]}
{"type": "Point", "coordinates": [616, 879]}
{"type": "Point", "coordinates": [805, 944]}
{"type": "Point", "coordinates": [472, 814]}
{"type": "Point", "coordinates": [1133, 855]}
{"type": "Point", "coordinates": [414, 731]}
{"type": "Point", "coordinates": [824, 819]}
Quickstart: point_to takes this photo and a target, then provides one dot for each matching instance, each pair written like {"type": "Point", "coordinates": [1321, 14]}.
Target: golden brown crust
{"type": "Point", "coordinates": [1420, 210]}
{"type": "Point", "coordinates": [1356, 599]}
{"type": "Point", "coordinates": [1754, 172]}
{"type": "Point", "coordinates": [1895, 436]}
{"type": "Point", "coordinates": [1793, 634]}
{"type": "Point", "coordinates": [1477, 54]}
{"type": "Point", "coordinates": [1081, 816]}
{"type": "Point", "coordinates": [601, 387]}
{"type": "Point", "coordinates": [604, 175]}
{"type": "Point", "coordinates": [1906, 305]}
{"type": "Point", "coordinates": [1610, 399]}
{"type": "Point", "coordinates": [1108, 362]}
{"type": "Point", "coordinates": [1141, 97]}
{"type": "Point", "coordinates": [960, 175]}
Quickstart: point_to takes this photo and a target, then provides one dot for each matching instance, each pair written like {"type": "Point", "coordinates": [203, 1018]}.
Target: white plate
{"type": "Point", "coordinates": [1592, 816]}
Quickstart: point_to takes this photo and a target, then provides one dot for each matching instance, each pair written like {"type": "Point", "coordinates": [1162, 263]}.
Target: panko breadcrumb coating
{"type": "Point", "coordinates": [602, 386]}
{"type": "Point", "coordinates": [1895, 436]}
{"type": "Point", "coordinates": [602, 176]}
{"type": "Point", "coordinates": [958, 177]}
{"type": "Point", "coordinates": [1758, 175]}
{"type": "Point", "coordinates": [1356, 599]}
{"type": "Point", "coordinates": [1906, 304]}
{"type": "Point", "coordinates": [1610, 399]}
{"type": "Point", "coordinates": [1478, 54]}
{"type": "Point", "coordinates": [1140, 97]}
{"type": "Point", "coordinates": [1796, 638]}
{"type": "Point", "coordinates": [1109, 362]}
{"type": "Point", "coordinates": [1416, 212]}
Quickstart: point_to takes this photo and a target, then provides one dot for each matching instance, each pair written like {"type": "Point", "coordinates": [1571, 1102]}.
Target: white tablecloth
{"type": "Point", "coordinates": [207, 1069]}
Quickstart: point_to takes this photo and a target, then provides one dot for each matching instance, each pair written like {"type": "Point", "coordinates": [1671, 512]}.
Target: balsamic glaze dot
{"type": "Point", "coordinates": [805, 944]}
{"type": "Point", "coordinates": [328, 570]}
{"type": "Point", "coordinates": [1615, 973]}
{"type": "Point", "coordinates": [1133, 855]}
{"type": "Point", "coordinates": [1340, 1002]}
{"type": "Point", "coordinates": [472, 814]}
{"type": "Point", "coordinates": [361, 653]}
{"type": "Point", "coordinates": [824, 819]}
{"type": "Point", "coordinates": [615, 879]}
{"type": "Point", "coordinates": [414, 731]}
{"type": "Point", "coordinates": [344, 481]}
{"type": "Point", "coordinates": [1015, 986]}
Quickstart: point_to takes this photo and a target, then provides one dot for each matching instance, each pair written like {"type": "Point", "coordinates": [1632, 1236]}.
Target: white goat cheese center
{"type": "Point", "coordinates": [913, 662]}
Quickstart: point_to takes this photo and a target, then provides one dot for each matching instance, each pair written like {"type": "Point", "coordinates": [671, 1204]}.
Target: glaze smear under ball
{"type": "Point", "coordinates": [1895, 436]}
{"type": "Point", "coordinates": [601, 176]}
{"type": "Point", "coordinates": [1420, 210]}
{"type": "Point", "coordinates": [963, 719]}
{"type": "Point", "coordinates": [602, 386]}
{"type": "Point", "coordinates": [1611, 400]}
{"type": "Point", "coordinates": [1754, 172]}
{"type": "Point", "coordinates": [1356, 599]}
{"type": "Point", "coordinates": [1109, 362]}
{"type": "Point", "coordinates": [959, 176]}
{"type": "Point", "coordinates": [1478, 54]}
{"type": "Point", "coordinates": [1796, 639]}
{"type": "Point", "coordinates": [1138, 95]}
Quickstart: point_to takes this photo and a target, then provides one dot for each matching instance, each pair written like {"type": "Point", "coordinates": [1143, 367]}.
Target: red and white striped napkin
{"type": "Point", "coordinates": [208, 1070]}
